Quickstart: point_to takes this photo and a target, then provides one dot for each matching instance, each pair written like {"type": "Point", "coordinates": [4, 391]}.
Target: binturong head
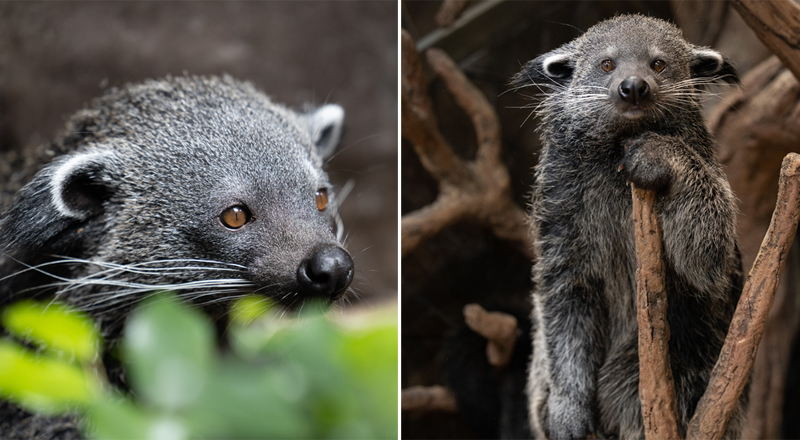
{"type": "Point", "coordinates": [630, 69]}
{"type": "Point", "coordinates": [200, 185]}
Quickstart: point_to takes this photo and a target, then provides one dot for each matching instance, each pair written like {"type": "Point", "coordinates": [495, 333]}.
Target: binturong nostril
{"type": "Point", "coordinates": [326, 273]}
{"type": "Point", "coordinates": [634, 90]}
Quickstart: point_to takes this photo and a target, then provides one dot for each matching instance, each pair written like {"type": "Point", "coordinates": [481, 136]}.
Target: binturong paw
{"type": "Point", "coordinates": [645, 163]}
{"type": "Point", "coordinates": [569, 419]}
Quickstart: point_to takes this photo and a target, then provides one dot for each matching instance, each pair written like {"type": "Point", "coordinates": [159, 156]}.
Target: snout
{"type": "Point", "coordinates": [634, 90]}
{"type": "Point", "coordinates": [326, 273]}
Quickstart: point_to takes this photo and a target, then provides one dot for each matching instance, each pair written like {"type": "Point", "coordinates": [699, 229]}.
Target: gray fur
{"type": "Point", "coordinates": [584, 370]}
{"type": "Point", "coordinates": [132, 203]}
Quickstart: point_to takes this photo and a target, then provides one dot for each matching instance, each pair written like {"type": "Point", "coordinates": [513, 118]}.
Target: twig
{"type": "Point", "coordinates": [500, 330]}
{"type": "Point", "coordinates": [433, 398]}
{"type": "Point", "coordinates": [479, 190]}
{"type": "Point", "coordinates": [449, 11]}
{"type": "Point", "coordinates": [656, 388]}
{"type": "Point", "coordinates": [735, 362]}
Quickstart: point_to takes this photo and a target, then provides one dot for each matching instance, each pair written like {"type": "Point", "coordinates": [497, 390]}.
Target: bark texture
{"type": "Point", "coordinates": [733, 367]}
{"type": "Point", "coordinates": [656, 388]}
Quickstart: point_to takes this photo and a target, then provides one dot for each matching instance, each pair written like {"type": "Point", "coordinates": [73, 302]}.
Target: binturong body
{"type": "Point", "coordinates": [201, 185]}
{"type": "Point", "coordinates": [622, 105]}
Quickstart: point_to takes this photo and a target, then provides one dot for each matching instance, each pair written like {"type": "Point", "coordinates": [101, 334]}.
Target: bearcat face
{"type": "Point", "coordinates": [200, 185]}
{"type": "Point", "coordinates": [626, 71]}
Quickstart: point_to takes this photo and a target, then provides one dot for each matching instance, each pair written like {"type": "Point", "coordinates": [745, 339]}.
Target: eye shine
{"type": "Point", "coordinates": [235, 217]}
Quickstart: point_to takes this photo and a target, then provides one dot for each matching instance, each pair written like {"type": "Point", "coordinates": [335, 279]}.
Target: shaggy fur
{"type": "Point", "coordinates": [134, 202]}
{"type": "Point", "coordinates": [584, 370]}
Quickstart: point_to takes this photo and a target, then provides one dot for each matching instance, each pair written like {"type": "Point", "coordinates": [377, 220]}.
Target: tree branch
{"type": "Point", "coordinates": [449, 11]}
{"type": "Point", "coordinates": [656, 388]}
{"type": "Point", "coordinates": [755, 128]}
{"type": "Point", "coordinates": [479, 190]}
{"type": "Point", "coordinates": [500, 330]}
{"type": "Point", "coordinates": [433, 398]}
{"type": "Point", "coordinates": [735, 362]}
{"type": "Point", "coordinates": [777, 25]}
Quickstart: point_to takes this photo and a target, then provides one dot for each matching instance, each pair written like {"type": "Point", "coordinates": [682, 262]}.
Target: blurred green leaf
{"type": "Point", "coordinates": [169, 350]}
{"type": "Point", "coordinates": [301, 377]}
{"type": "Point", "coordinates": [246, 310]}
{"type": "Point", "coordinates": [41, 384]}
{"type": "Point", "coordinates": [54, 326]}
{"type": "Point", "coordinates": [119, 419]}
{"type": "Point", "coordinates": [251, 401]}
{"type": "Point", "coordinates": [371, 357]}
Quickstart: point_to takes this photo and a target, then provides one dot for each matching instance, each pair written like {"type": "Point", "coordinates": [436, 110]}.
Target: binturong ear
{"type": "Point", "coordinates": [325, 125]}
{"type": "Point", "coordinates": [65, 194]}
{"type": "Point", "coordinates": [551, 69]}
{"type": "Point", "coordinates": [710, 64]}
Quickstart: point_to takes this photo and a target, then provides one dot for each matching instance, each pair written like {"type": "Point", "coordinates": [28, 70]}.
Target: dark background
{"type": "Point", "coordinates": [56, 56]}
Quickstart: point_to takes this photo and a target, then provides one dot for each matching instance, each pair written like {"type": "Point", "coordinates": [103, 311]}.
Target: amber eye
{"type": "Point", "coordinates": [235, 217]}
{"type": "Point", "coordinates": [607, 65]}
{"type": "Point", "coordinates": [658, 65]}
{"type": "Point", "coordinates": [322, 198]}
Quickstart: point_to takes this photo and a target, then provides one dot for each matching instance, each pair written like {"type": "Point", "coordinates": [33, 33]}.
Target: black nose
{"type": "Point", "coordinates": [326, 273]}
{"type": "Point", "coordinates": [634, 90]}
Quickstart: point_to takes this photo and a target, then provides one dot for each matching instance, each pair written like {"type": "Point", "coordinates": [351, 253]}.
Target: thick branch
{"type": "Point", "coordinates": [500, 330]}
{"type": "Point", "coordinates": [732, 370]}
{"type": "Point", "coordinates": [656, 388]}
{"type": "Point", "coordinates": [755, 128]}
{"type": "Point", "coordinates": [434, 398]}
{"type": "Point", "coordinates": [777, 25]}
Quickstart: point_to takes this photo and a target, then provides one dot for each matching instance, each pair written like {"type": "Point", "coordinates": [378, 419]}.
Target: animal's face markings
{"type": "Point", "coordinates": [235, 217]}
{"type": "Point", "coordinates": [231, 205]}
{"type": "Point", "coordinates": [322, 199]}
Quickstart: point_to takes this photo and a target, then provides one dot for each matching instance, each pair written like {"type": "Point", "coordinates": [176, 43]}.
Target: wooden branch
{"type": "Point", "coordinates": [433, 398]}
{"type": "Point", "coordinates": [419, 124]}
{"type": "Point", "coordinates": [756, 127]}
{"type": "Point", "coordinates": [777, 25]}
{"type": "Point", "coordinates": [735, 362]}
{"type": "Point", "coordinates": [656, 388]}
{"type": "Point", "coordinates": [449, 11]}
{"type": "Point", "coordinates": [500, 329]}
{"type": "Point", "coordinates": [479, 190]}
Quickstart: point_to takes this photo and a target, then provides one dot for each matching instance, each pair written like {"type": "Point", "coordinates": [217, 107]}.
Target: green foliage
{"type": "Point", "coordinates": [306, 378]}
{"type": "Point", "coordinates": [54, 326]}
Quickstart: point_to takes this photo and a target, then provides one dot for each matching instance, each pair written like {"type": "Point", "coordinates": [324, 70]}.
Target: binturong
{"type": "Point", "coordinates": [622, 104]}
{"type": "Point", "coordinates": [199, 185]}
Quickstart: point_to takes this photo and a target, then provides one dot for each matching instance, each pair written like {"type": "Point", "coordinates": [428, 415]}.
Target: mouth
{"type": "Point", "coordinates": [633, 112]}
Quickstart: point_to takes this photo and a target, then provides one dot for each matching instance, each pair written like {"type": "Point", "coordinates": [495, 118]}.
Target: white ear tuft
{"type": "Point", "coordinates": [557, 65]}
{"type": "Point", "coordinates": [325, 124]}
{"type": "Point", "coordinates": [75, 186]}
{"type": "Point", "coordinates": [710, 64]}
{"type": "Point", "coordinates": [708, 53]}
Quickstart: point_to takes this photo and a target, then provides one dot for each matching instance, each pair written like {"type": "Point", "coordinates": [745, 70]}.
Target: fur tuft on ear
{"type": "Point", "coordinates": [77, 186]}
{"type": "Point", "coordinates": [325, 125]}
{"type": "Point", "coordinates": [68, 192]}
{"type": "Point", "coordinates": [551, 69]}
{"type": "Point", "coordinates": [710, 64]}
